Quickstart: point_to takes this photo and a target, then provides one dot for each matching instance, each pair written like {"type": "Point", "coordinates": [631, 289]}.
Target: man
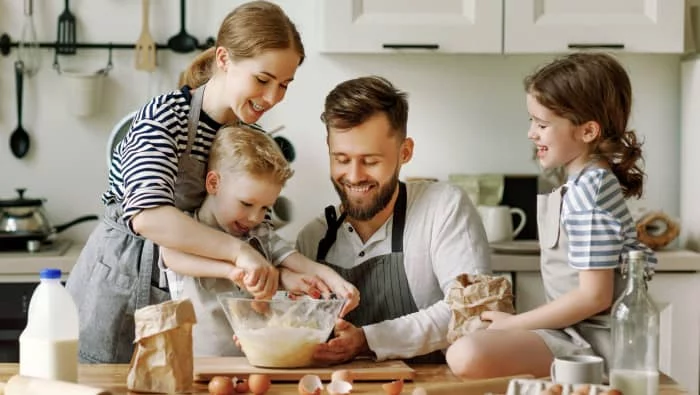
{"type": "Point", "coordinates": [402, 245]}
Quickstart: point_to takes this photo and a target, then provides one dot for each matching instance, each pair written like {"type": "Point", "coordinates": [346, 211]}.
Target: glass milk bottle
{"type": "Point", "coordinates": [634, 368]}
{"type": "Point", "coordinates": [48, 346]}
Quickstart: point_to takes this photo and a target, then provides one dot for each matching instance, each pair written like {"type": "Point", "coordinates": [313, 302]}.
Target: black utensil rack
{"type": "Point", "coordinates": [6, 44]}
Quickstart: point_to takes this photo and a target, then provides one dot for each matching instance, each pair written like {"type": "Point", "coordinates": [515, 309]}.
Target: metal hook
{"type": "Point", "coordinates": [109, 66]}
{"type": "Point", "coordinates": [56, 65]}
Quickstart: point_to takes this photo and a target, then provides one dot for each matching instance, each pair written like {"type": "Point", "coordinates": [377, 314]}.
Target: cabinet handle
{"type": "Point", "coordinates": [594, 46]}
{"type": "Point", "coordinates": [410, 46]}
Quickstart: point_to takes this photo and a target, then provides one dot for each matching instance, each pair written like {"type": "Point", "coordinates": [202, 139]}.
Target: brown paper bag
{"type": "Point", "coordinates": [472, 295]}
{"type": "Point", "coordinates": [162, 360]}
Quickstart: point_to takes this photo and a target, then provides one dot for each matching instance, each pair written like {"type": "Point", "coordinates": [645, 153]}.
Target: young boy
{"type": "Point", "coordinates": [246, 172]}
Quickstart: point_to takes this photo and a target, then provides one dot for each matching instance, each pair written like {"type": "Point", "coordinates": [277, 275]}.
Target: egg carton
{"type": "Point", "coordinates": [536, 387]}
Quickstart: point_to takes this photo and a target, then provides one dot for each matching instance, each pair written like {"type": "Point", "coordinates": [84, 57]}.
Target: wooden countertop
{"type": "Point", "coordinates": [113, 378]}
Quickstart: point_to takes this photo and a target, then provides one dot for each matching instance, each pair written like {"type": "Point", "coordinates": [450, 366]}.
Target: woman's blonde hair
{"type": "Point", "coordinates": [584, 87]}
{"type": "Point", "coordinates": [243, 149]}
{"type": "Point", "coordinates": [249, 30]}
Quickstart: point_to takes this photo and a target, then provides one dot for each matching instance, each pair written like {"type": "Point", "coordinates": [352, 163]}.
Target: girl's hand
{"type": "Point", "coordinates": [498, 319]}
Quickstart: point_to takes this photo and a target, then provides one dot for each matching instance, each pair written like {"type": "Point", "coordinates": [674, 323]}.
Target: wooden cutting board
{"type": "Point", "coordinates": [363, 370]}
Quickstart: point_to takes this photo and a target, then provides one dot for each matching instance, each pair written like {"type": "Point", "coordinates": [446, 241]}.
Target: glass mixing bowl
{"type": "Point", "coordinates": [281, 332]}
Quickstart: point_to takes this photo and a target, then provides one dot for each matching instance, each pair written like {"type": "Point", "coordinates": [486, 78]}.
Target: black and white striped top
{"type": "Point", "coordinates": [144, 164]}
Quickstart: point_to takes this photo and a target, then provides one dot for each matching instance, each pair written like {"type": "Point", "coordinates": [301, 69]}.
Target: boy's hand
{"type": "Point", "coordinates": [259, 277]}
{"type": "Point", "coordinates": [303, 283]}
{"type": "Point", "coordinates": [341, 288]}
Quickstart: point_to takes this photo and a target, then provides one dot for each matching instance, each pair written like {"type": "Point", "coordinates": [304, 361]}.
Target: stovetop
{"type": "Point", "coordinates": [56, 247]}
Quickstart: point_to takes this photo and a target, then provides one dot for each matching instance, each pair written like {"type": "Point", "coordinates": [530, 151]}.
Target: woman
{"type": "Point", "coordinates": [158, 172]}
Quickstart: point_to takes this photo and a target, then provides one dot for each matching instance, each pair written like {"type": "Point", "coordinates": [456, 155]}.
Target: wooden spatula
{"type": "Point", "coordinates": [145, 45]}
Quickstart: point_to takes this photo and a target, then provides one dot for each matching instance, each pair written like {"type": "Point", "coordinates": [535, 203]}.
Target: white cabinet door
{"type": "Point", "coordinates": [677, 296]}
{"type": "Point", "coordinates": [451, 26]}
{"type": "Point", "coordinates": [546, 26]}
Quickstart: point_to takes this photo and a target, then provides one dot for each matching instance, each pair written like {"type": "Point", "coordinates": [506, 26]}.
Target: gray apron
{"type": "Point", "coordinates": [592, 336]}
{"type": "Point", "coordinates": [117, 271]}
{"type": "Point", "coordinates": [382, 278]}
{"type": "Point", "coordinates": [213, 335]}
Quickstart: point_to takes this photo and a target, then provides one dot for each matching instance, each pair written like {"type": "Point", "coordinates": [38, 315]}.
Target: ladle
{"type": "Point", "coordinates": [19, 139]}
{"type": "Point", "coordinates": [183, 42]}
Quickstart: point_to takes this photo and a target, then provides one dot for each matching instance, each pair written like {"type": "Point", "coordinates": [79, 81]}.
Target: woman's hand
{"type": "Point", "coordinates": [258, 276]}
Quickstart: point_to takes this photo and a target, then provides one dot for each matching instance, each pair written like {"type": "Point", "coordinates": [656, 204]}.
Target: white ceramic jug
{"type": "Point", "coordinates": [499, 223]}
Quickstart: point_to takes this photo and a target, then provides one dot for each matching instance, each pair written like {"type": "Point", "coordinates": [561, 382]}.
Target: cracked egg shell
{"type": "Point", "coordinates": [310, 384]}
{"type": "Point", "coordinates": [339, 387]}
{"type": "Point", "coordinates": [419, 391]}
{"type": "Point", "coordinates": [343, 375]}
{"type": "Point", "coordinates": [393, 388]}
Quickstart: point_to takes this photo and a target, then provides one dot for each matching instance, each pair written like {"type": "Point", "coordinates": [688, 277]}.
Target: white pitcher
{"type": "Point", "coordinates": [499, 223]}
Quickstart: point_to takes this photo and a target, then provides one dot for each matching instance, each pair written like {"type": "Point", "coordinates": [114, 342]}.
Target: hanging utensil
{"type": "Point", "coordinates": [66, 40]}
{"type": "Point", "coordinates": [182, 42]}
{"type": "Point", "coordinates": [28, 49]}
{"type": "Point", "coordinates": [145, 45]}
{"type": "Point", "coordinates": [19, 139]}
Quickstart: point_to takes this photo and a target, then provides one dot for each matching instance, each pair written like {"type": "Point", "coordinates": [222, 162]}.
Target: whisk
{"type": "Point", "coordinates": [28, 49]}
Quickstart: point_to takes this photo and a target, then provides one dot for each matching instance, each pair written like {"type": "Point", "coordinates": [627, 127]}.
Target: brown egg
{"type": "Point", "coordinates": [393, 388]}
{"type": "Point", "coordinates": [242, 386]}
{"type": "Point", "coordinates": [343, 375]}
{"type": "Point", "coordinates": [259, 383]}
{"type": "Point", "coordinates": [612, 392]}
{"type": "Point", "coordinates": [220, 385]}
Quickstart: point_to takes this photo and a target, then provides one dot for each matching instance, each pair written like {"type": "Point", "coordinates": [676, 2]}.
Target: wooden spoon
{"type": "Point", "coordinates": [145, 45]}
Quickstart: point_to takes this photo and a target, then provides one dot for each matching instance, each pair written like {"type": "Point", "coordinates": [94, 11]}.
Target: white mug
{"type": "Point", "coordinates": [577, 369]}
{"type": "Point", "coordinates": [499, 223]}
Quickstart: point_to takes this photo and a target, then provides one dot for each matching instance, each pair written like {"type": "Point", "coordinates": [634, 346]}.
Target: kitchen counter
{"type": "Point", "coordinates": [669, 261]}
{"type": "Point", "coordinates": [22, 266]}
{"type": "Point", "coordinates": [113, 378]}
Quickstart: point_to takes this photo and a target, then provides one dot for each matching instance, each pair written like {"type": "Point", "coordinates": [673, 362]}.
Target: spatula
{"type": "Point", "coordinates": [65, 40]}
{"type": "Point", "coordinates": [145, 45]}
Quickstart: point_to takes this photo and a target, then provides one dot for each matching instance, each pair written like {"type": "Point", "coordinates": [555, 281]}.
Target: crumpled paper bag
{"type": "Point", "coordinates": [162, 361]}
{"type": "Point", "coordinates": [472, 295]}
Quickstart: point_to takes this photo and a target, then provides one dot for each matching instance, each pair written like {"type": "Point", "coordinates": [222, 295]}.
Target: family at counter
{"type": "Point", "coordinates": [191, 184]}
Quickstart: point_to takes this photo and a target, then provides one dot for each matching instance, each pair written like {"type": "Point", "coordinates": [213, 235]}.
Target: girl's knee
{"type": "Point", "coordinates": [467, 358]}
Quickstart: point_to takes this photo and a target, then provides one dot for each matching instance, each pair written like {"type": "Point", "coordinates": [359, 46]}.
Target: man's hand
{"type": "Point", "coordinates": [498, 319]}
{"type": "Point", "coordinates": [259, 277]}
{"type": "Point", "coordinates": [341, 288]}
{"type": "Point", "coordinates": [349, 342]}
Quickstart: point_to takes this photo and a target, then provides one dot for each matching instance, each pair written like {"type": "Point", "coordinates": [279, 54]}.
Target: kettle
{"type": "Point", "coordinates": [24, 220]}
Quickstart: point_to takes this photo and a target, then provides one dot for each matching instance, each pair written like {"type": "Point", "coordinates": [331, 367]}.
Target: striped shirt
{"type": "Point", "coordinates": [144, 164]}
{"type": "Point", "coordinates": [597, 221]}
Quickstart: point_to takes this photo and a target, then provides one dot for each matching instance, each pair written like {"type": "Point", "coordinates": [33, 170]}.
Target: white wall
{"type": "Point", "coordinates": [467, 112]}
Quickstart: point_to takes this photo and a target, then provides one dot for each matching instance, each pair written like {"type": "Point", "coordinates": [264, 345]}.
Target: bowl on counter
{"type": "Point", "coordinates": [280, 332]}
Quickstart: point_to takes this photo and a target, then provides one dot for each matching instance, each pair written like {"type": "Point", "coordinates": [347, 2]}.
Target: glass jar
{"type": "Point", "coordinates": [634, 368]}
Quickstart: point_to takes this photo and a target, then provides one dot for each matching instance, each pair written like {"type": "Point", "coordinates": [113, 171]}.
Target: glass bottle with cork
{"type": "Point", "coordinates": [634, 368]}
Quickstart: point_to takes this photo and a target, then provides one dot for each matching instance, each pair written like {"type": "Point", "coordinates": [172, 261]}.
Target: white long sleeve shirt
{"type": "Point", "coordinates": [443, 238]}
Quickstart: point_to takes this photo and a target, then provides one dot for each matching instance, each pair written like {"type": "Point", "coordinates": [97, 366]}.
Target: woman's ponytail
{"type": "Point", "coordinates": [200, 70]}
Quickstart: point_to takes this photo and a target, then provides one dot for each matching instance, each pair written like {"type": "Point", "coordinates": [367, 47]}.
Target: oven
{"type": "Point", "coordinates": [14, 302]}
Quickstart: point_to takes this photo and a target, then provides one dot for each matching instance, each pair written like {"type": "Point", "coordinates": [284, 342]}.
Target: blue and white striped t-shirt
{"type": "Point", "coordinates": [144, 165]}
{"type": "Point", "coordinates": [597, 221]}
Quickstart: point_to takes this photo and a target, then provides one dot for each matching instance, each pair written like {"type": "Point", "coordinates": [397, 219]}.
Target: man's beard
{"type": "Point", "coordinates": [378, 203]}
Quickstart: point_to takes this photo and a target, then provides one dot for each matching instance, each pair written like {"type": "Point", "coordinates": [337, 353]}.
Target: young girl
{"type": "Point", "coordinates": [579, 106]}
{"type": "Point", "coordinates": [158, 172]}
{"type": "Point", "coordinates": [246, 172]}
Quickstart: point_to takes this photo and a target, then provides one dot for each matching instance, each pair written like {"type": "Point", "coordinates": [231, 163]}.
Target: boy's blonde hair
{"type": "Point", "coordinates": [244, 149]}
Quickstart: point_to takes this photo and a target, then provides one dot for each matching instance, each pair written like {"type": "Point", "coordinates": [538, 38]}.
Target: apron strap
{"type": "Point", "coordinates": [331, 233]}
{"type": "Point", "coordinates": [399, 220]}
{"type": "Point", "coordinates": [193, 117]}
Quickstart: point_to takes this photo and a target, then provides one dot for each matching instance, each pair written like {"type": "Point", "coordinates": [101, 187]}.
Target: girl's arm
{"type": "Point", "coordinates": [594, 294]}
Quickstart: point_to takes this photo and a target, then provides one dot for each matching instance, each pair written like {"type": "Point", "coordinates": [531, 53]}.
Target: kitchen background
{"type": "Point", "coordinates": [467, 112]}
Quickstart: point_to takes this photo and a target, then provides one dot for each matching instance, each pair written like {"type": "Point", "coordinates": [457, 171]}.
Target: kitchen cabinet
{"type": "Point", "coordinates": [676, 295]}
{"type": "Point", "coordinates": [501, 26]}
{"type": "Point", "coordinates": [559, 25]}
{"type": "Point", "coordinates": [450, 26]}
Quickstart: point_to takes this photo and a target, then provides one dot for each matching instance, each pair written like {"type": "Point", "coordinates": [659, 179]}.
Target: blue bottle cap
{"type": "Point", "coordinates": [50, 273]}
